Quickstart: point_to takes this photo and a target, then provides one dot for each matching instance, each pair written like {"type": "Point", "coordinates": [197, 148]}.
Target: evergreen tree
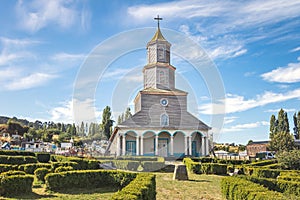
{"type": "Point", "coordinates": [81, 129]}
{"type": "Point", "coordinates": [128, 113]}
{"type": "Point", "coordinates": [119, 119]}
{"type": "Point", "coordinates": [281, 139]}
{"type": "Point", "coordinates": [107, 122]}
{"type": "Point", "coordinates": [297, 125]}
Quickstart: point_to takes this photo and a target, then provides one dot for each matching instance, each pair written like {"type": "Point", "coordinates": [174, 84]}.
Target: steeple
{"type": "Point", "coordinates": [158, 73]}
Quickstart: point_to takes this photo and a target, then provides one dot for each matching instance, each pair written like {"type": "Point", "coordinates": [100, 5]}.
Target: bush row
{"type": "Point", "coordinates": [143, 187]}
{"type": "Point", "coordinates": [83, 163]}
{"type": "Point", "coordinates": [43, 157]}
{"type": "Point", "coordinates": [6, 167]}
{"type": "Point", "coordinates": [88, 179]}
{"type": "Point", "coordinates": [221, 161]}
{"type": "Point", "coordinates": [205, 168]}
{"type": "Point", "coordinates": [135, 158]}
{"type": "Point", "coordinates": [262, 163]}
{"type": "Point", "coordinates": [145, 166]}
{"type": "Point", "coordinates": [17, 160]}
{"type": "Point", "coordinates": [288, 187]}
{"type": "Point", "coordinates": [16, 184]}
{"type": "Point", "coordinates": [234, 188]}
{"type": "Point", "coordinates": [16, 153]}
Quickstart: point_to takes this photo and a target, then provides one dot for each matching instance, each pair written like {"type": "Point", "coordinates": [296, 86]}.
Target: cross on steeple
{"type": "Point", "coordinates": [158, 18]}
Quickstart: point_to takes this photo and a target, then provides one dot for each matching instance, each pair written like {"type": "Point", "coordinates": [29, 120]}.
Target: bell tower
{"type": "Point", "coordinates": [158, 73]}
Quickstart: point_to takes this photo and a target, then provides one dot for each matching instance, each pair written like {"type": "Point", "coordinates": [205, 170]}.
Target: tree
{"type": "Point", "coordinates": [119, 119]}
{"type": "Point", "coordinates": [281, 139]}
{"type": "Point", "coordinates": [297, 125]}
{"type": "Point", "coordinates": [81, 129]}
{"type": "Point", "coordinates": [128, 113]}
{"type": "Point", "coordinates": [107, 122]}
{"type": "Point", "coordinates": [289, 160]}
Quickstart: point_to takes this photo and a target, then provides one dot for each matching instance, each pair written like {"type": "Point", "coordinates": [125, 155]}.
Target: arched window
{"type": "Point", "coordinates": [164, 120]}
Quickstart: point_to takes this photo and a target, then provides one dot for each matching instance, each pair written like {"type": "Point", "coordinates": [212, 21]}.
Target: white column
{"type": "Point", "coordinates": [185, 145]}
{"type": "Point", "coordinates": [156, 145]}
{"type": "Point", "coordinates": [203, 146]}
{"type": "Point", "coordinates": [118, 145]}
{"type": "Point", "coordinates": [142, 145]}
{"type": "Point", "coordinates": [137, 146]}
{"type": "Point", "coordinates": [190, 145]}
{"type": "Point", "coordinates": [207, 145]}
{"type": "Point", "coordinates": [172, 146]}
{"type": "Point", "coordinates": [123, 145]}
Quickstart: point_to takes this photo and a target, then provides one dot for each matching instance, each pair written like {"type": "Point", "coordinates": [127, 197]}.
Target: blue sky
{"type": "Point", "coordinates": [255, 46]}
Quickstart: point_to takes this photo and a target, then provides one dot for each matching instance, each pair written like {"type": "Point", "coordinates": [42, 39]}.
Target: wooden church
{"type": "Point", "coordinates": [161, 124]}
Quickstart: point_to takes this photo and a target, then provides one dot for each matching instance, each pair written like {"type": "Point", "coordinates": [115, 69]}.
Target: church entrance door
{"type": "Point", "coordinates": [163, 147]}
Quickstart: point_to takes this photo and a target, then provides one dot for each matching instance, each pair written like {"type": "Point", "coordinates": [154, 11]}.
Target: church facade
{"type": "Point", "coordinates": [161, 124]}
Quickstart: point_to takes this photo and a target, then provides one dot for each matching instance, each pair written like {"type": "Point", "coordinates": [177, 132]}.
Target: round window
{"type": "Point", "coordinates": [164, 102]}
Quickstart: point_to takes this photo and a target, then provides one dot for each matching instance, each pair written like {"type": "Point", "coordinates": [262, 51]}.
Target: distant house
{"type": "Point", "coordinates": [256, 147]}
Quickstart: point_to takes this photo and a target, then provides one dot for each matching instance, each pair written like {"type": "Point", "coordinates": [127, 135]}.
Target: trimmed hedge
{"type": "Point", "coordinates": [88, 179]}
{"type": "Point", "coordinates": [152, 166]}
{"type": "Point", "coordinates": [43, 157]}
{"type": "Point", "coordinates": [83, 163]}
{"type": "Point", "coordinates": [10, 173]}
{"type": "Point", "coordinates": [74, 165]}
{"type": "Point", "coordinates": [234, 188]}
{"type": "Point", "coordinates": [16, 184]}
{"type": "Point", "coordinates": [63, 169]}
{"type": "Point", "coordinates": [265, 172]}
{"type": "Point", "coordinates": [288, 187]}
{"type": "Point", "coordinates": [30, 168]}
{"type": "Point", "coordinates": [126, 165]}
{"type": "Point", "coordinates": [205, 168]}
{"type": "Point", "coordinates": [262, 163]}
{"type": "Point", "coordinates": [6, 167]}
{"type": "Point", "coordinates": [17, 160]}
{"type": "Point", "coordinates": [16, 153]}
{"type": "Point", "coordinates": [143, 187]}
{"type": "Point", "coordinates": [40, 174]}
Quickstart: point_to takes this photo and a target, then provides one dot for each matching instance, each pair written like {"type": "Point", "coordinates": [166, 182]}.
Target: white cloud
{"type": "Point", "coordinates": [75, 111]}
{"type": "Point", "coordinates": [68, 57]}
{"type": "Point", "coordinates": [30, 81]}
{"type": "Point", "coordinates": [37, 14]}
{"type": "Point", "coordinates": [295, 49]}
{"type": "Point", "coordinates": [228, 120]}
{"type": "Point", "coordinates": [236, 103]}
{"type": "Point", "coordinates": [242, 127]}
{"type": "Point", "coordinates": [277, 110]}
{"type": "Point", "coordinates": [288, 74]}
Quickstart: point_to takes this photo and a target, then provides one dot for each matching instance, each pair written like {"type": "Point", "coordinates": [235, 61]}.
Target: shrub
{"type": "Point", "coordinates": [152, 166]}
{"type": "Point", "coordinates": [43, 157]}
{"type": "Point", "coordinates": [82, 163]}
{"type": "Point", "coordinates": [10, 173]}
{"type": "Point", "coordinates": [285, 186]}
{"type": "Point", "coordinates": [143, 187]}
{"type": "Point", "coordinates": [30, 168]}
{"type": "Point", "coordinates": [234, 188]}
{"type": "Point", "coordinates": [6, 167]}
{"type": "Point", "coordinates": [63, 169]}
{"type": "Point", "coordinates": [205, 168]}
{"type": "Point", "coordinates": [262, 163]}
{"type": "Point", "coordinates": [126, 165]}
{"type": "Point", "coordinates": [88, 179]}
{"type": "Point", "coordinates": [74, 165]}
{"type": "Point", "coordinates": [16, 184]}
{"type": "Point", "coordinates": [16, 153]}
{"type": "Point", "coordinates": [290, 160]}
{"type": "Point", "coordinates": [40, 174]}
{"type": "Point", "coordinates": [140, 158]}
{"type": "Point", "coordinates": [17, 160]}
{"type": "Point", "coordinates": [265, 173]}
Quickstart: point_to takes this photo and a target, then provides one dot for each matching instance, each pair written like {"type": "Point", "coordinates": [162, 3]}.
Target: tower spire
{"type": "Point", "coordinates": [158, 18]}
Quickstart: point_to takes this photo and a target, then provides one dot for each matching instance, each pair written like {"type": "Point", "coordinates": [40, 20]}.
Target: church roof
{"type": "Point", "coordinates": [158, 36]}
{"type": "Point", "coordinates": [164, 91]}
{"type": "Point", "coordinates": [184, 120]}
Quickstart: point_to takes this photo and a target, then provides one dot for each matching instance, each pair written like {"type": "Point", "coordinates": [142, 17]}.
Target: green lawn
{"type": "Point", "coordinates": [197, 187]}
{"type": "Point", "coordinates": [86, 194]}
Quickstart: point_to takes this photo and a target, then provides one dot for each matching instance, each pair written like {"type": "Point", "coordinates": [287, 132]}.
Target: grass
{"type": "Point", "coordinates": [86, 194]}
{"type": "Point", "coordinates": [197, 187]}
